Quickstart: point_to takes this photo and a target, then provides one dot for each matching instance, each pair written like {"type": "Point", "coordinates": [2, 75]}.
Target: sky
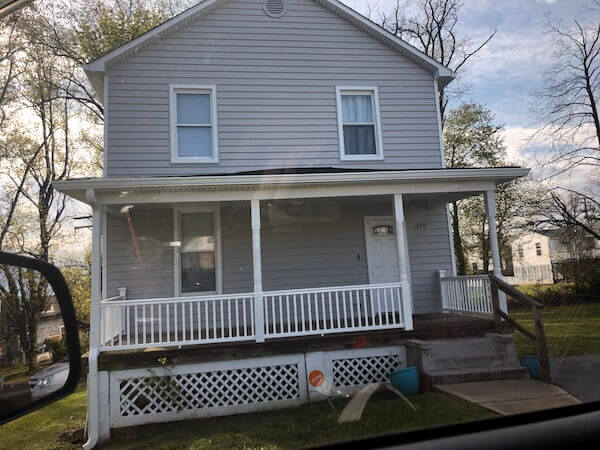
{"type": "Point", "coordinates": [510, 68]}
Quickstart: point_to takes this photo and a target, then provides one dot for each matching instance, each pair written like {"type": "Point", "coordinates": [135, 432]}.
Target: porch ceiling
{"type": "Point", "coordinates": [448, 183]}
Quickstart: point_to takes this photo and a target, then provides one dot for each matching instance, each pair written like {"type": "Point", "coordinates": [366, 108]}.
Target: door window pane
{"type": "Point", "coordinates": [198, 252]}
{"type": "Point", "coordinates": [198, 272]}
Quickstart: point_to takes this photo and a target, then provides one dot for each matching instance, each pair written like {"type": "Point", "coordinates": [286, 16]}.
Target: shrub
{"type": "Point", "coordinates": [58, 348]}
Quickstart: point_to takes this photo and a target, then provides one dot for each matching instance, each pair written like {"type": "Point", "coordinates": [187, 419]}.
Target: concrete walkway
{"type": "Point", "coordinates": [578, 375]}
{"type": "Point", "coordinates": [511, 396]}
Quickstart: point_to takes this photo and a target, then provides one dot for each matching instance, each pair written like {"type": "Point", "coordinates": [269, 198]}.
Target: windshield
{"type": "Point", "coordinates": [288, 223]}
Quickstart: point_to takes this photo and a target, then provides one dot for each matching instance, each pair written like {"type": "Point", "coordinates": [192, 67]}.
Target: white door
{"type": "Point", "coordinates": [382, 251]}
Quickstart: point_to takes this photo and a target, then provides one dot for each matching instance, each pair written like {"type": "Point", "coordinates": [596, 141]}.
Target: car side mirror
{"type": "Point", "coordinates": [40, 356]}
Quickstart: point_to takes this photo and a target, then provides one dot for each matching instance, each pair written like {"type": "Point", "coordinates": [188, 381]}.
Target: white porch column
{"type": "Point", "coordinates": [259, 318]}
{"type": "Point", "coordinates": [407, 311]}
{"type": "Point", "coordinates": [490, 208]}
{"type": "Point", "coordinates": [95, 323]}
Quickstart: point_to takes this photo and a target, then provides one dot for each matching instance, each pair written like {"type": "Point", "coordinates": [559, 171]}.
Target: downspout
{"type": "Point", "coordinates": [93, 412]}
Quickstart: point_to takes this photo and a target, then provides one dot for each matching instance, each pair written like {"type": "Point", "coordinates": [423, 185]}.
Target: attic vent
{"type": "Point", "coordinates": [274, 8]}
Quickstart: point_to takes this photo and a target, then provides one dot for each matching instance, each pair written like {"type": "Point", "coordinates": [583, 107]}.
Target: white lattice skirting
{"type": "Point", "coordinates": [348, 372]}
{"type": "Point", "coordinates": [142, 396]}
{"type": "Point", "coordinates": [204, 390]}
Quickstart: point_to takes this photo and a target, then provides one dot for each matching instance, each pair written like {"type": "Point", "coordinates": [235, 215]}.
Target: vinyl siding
{"type": "Point", "coordinates": [429, 251]}
{"type": "Point", "coordinates": [275, 83]}
{"type": "Point", "coordinates": [323, 246]}
{"type": "Point", "coordinates": [148, 274]}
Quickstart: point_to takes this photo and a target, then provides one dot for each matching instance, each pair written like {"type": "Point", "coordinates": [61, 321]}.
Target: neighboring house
{"type": "Point", "coordinates": [51, 326]}
{"type": "Point", "coordinates": [540, 255]}
{"type": "Point", "coordinates": [272, 170]}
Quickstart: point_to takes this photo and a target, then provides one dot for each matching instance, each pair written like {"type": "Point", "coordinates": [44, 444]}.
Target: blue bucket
{"type": "Point", "coordinates": [406, 380]}
{"type": "Point", "coordinates": [533, 366]}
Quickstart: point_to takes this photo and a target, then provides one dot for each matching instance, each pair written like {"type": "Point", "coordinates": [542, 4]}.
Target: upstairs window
{"type": "Point", "coordinates": [538, 249]}
{"type": "Point", "coordinates": [193, 115]}
{"type": "Point", "coordinates": [358, 123]}
{"type": "Point", "coordinates": [520, 250]}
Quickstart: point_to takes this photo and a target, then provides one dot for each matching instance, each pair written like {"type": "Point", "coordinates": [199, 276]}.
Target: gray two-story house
{"type": "Point", "coordinates": [272, 215]}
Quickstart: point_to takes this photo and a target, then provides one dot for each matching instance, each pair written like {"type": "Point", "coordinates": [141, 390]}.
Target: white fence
{"type": "Point", "coordinates": [332, 310]}
{"type": "Point", "coordinates": [469, 294]}
{"type": "Point", "coordinates": [531, 275]}
{"type": "Point", "coordinates": [128, 324]}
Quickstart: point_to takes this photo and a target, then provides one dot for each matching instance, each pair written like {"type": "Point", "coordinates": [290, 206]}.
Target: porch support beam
{"type": "Point", "coordinates": [490, 208]}
{"type": "Point", "coordinates": [407, 311]}
{"type": "Point", "coordinates": [95, 324]}
{"type": "Point", "coordinates": [259, 318]}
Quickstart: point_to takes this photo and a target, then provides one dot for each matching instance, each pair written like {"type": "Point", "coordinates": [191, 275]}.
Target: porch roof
{"type": "Point", "coordinates": [287, 183]}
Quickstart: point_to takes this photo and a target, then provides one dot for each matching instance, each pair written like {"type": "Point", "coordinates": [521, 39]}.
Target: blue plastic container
{"type": "Point", "coordinates": [533, 366]}
{"type": "Point", "coordinates": [406, 380]}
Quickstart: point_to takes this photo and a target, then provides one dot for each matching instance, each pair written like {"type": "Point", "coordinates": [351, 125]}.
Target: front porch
{"type": "Point", "coordinates": [250, 257]}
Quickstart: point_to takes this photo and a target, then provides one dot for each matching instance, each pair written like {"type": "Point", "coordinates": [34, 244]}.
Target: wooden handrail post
{"type": "Point", "coordinates": [496, 302]}
{"type": "Point", "coordinates": [540, 344]}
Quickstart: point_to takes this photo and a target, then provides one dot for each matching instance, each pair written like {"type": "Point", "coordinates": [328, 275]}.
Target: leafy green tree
{"type": "Point", "coordinates": [79, 280]}
{"type": "Point", "coordinates": [111, 24]}
{"type": "Point", "coordinates": [471, 139]}
{"type": "Point", "coordinates": [24, 295]}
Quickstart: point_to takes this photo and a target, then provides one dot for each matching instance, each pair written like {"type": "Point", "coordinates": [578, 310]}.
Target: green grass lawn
{"type": "Point", "coordinates": [570, 329]}
{"type": "Point", "coordinates": [307, 425]}
{"type": "Point", "coordinates": [41, 429]}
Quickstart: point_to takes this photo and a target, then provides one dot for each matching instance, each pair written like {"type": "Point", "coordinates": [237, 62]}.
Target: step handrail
{"type": "Point", "coordinates": [539, 336]}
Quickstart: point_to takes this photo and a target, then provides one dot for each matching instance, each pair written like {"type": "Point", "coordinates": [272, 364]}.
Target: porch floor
{"type": "Point", "coordinates": [426, 326]}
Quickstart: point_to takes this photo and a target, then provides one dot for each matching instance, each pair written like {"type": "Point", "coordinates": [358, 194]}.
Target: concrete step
{"type": "Point", "coordinates": [490, 343]}
{"type": "Point", "coordinates": [491, 350]}
{"type": "Point", "coordinates": [497, 360]}
{"type": "Point", "coordinates": [445, 361]}
{"type": "Point", "coordinates": [450, 376]}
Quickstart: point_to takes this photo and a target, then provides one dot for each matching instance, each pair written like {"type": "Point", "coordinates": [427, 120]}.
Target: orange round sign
{"type": "Point", "coordinates": [316, 378]}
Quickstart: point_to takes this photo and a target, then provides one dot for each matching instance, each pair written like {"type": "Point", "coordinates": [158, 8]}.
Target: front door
{"type": "Point", "coordinates": [382, 250]}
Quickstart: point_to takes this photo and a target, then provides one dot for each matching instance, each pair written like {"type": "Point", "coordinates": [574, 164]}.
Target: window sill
{"type": "Point", "coordinates": [361, 157]}
{"type": "Point", "coordinates": [194, 161]}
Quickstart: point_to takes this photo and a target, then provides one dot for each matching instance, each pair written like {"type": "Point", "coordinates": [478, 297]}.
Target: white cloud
{"type": "Point", "coordinates": [516, 140]}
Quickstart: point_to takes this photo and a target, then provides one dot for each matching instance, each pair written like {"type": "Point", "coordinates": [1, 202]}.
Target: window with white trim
{"type": "Point", "coordinates": [193, 114]}
{"type": "Point", "coordinates": [359, 126]}
{"type": "Point", "coordinates": [538, 249]}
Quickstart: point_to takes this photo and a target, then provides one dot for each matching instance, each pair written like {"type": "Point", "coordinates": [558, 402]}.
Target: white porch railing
{"type": "Point", "coordinates": [130, 324]}
{"type": "Point", "coordinates": [302, 312]}
{"type": "Point", "coordinates": [467, 294]}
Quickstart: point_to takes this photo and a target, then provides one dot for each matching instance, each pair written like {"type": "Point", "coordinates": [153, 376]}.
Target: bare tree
{"type": "Point", "coordinates": [434, 29]}
{"type": "Point", "coordinates": [567, 209]}
{"type": "Point", "coordinates": [567, 104]}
